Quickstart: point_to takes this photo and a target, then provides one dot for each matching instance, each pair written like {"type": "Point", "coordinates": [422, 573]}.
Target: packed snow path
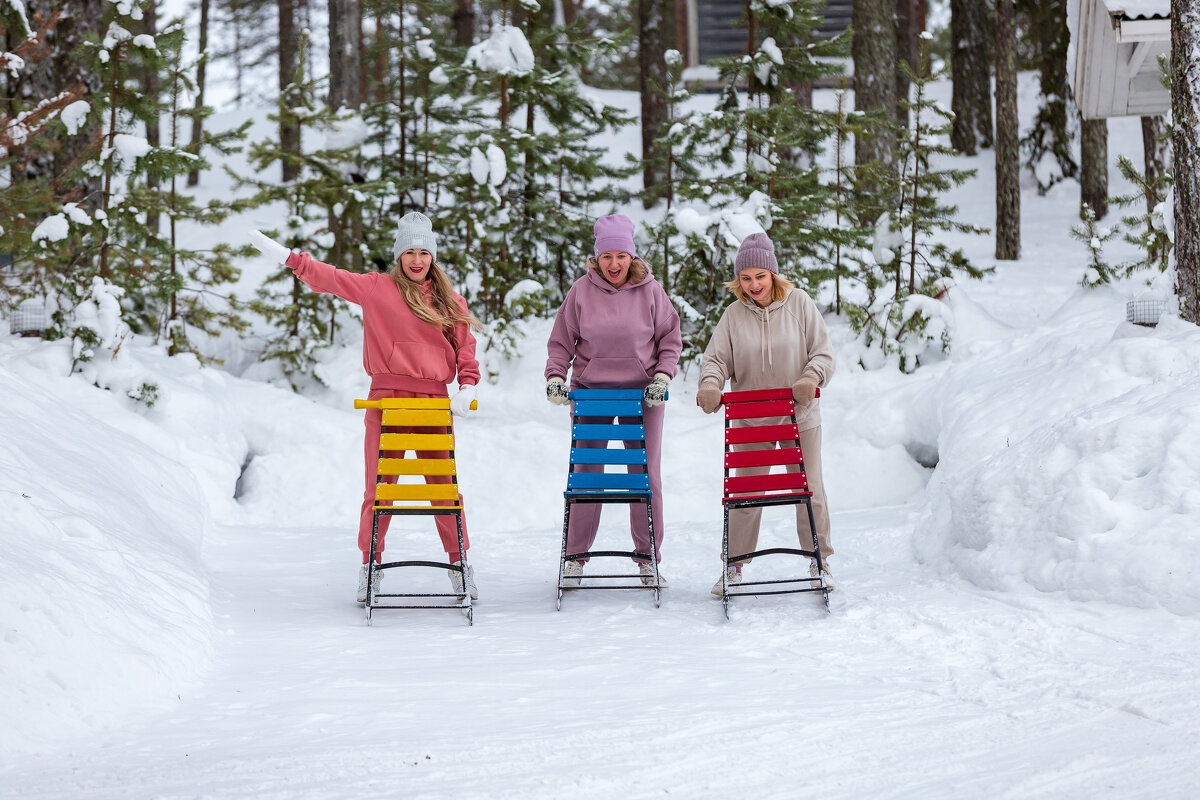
{"type": "Point", "coordinates": [914, 686]}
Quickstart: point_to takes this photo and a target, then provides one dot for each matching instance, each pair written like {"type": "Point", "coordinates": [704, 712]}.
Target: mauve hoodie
{"type": "Point", "coordinates": [613, 338]}
{"type": "Point", "coordinates": [400, 350]}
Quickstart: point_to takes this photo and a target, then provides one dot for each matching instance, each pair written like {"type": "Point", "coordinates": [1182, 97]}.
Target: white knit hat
{"type": "Point", "coordinates": [415, 232]}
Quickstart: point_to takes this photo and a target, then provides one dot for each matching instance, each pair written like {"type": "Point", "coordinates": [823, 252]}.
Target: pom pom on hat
{"type": "Point", "coordinates": [614, 232]}
{"type": "Point", "coordinates": [415, 232]}
{"type": "Point", "coordinates": [755, 252]}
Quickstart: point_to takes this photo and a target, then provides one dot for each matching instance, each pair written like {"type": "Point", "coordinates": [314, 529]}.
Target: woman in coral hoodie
{"type": "Point", "coordinates": [616, 329]}
{"type": "Point", "coordinates": [416, 339]}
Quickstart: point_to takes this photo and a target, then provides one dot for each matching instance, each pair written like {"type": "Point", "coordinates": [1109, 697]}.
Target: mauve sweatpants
{"type": "Point", "coordinates": [744, 522]}
{"type": "Point", "coordinates": [585, 517]}
{"type": "Point", "coordinates": [446, 528]}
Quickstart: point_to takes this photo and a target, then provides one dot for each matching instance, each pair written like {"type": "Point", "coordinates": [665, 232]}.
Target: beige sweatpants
{"type": "Point", "coordinates": [744, 522]}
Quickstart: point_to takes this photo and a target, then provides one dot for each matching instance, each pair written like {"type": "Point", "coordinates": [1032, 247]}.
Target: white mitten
{"type": "Point", "coordinates": [460, 404]}
{"type": "Point", "coordinates": [269, 247]}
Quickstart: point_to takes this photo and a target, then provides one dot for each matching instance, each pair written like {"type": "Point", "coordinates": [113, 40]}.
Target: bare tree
{"type": "Point", "coordinates": [654, 38]}
{"type": "Point", "coordinates": [1093, 165]}
{"type": "Point", "coordinates": [151, 85]}
{"type": "Point", "coordinates": [1185, 138]}
{"type": "Point", "coordinates": [345, 47]}
{"type": "Point", "coordinates": [1008, 155]}
{"type": "Point", "coordinates": [910, 21]}
{"type": "Point", "coordinates": [464, 22]}
{"type": "Point", "coordinates": [201, 74]}
{"type": "Point", "coordinates": [289, 45]}
{"type": "Point", "coordinates": [970, 62]}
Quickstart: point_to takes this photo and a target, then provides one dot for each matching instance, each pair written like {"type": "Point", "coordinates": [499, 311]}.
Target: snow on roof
{"type": "Point", "coordinates": [1139, 9]}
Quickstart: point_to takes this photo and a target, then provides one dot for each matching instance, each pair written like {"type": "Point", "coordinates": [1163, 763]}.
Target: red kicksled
{"type": "Point", "coordinates": [755, 442]}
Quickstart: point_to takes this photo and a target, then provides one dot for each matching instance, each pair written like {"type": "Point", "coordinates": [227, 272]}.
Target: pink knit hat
{"type": "Point", "coordinates": [614, 232]}
{"type": "Point", "coordinates": [755, 252]}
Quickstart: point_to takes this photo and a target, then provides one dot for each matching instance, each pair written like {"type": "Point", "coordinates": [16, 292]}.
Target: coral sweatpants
{"type": "Point", "coordinates": [446, 527]}
{"type": "Point", "coordinates": [585, 517]}
{"type": "Point", "coordinates": [744, 522]}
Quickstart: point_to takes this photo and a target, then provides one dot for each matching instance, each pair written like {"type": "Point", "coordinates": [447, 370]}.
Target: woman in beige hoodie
{"type": "Point", "coordinates": [770, 337]}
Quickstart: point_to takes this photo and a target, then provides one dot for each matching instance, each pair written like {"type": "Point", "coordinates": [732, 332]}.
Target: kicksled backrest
{"type": "Point", "coordinates": [432, 413]}
{"type": "Point", "coordinates": [607, 404]}
{"type": "Point", "coordinates": [781, 441]}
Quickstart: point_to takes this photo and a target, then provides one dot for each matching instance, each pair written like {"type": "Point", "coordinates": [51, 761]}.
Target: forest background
{"type": "Point", "coordinates": [476, 114]}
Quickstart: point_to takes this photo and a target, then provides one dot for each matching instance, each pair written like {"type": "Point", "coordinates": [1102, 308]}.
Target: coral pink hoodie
{"type": "Point", "coordinates": [400, 351]}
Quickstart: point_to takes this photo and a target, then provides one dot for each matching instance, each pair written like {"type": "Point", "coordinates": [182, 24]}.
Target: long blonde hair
{"type": "Point", "coordinates": [638, 269]}
{"type": "Point", "coordinates": [445, 313]}
{"type": "Point", "coordinates": [779, 288]}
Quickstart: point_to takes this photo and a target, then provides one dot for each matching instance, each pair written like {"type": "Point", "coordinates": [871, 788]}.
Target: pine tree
{"type": "Point", "coordinates": [305, 321]}
{"type": "Point", "coordinates": [1049, 155]}
{"type": "Point", "coordinates": [1145, 229]}
{"type": "Point", "coordinates": [903, 318]}
{"type": "Point", "coordinates": [1094, 236]}
{"type": "Point", "coordinates": [753, 155]}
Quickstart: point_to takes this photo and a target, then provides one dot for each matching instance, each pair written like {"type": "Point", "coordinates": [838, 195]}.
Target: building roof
{"type": "Point", "coordinates": [1139, 9]}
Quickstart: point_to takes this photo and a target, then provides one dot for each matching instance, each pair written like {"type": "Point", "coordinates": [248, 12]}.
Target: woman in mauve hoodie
{"type": "Point", "coordinates": [616, 329]}
{"type": "Point", "coordinates": [416, 339]}
{"type": "Point", "coordinates": [770, 337]}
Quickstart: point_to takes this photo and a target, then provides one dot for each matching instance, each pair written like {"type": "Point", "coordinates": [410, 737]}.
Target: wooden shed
{"type": "Point", "coordinates": [714, 28]}
{"type": "Point", "coordinates": [1112, 60]}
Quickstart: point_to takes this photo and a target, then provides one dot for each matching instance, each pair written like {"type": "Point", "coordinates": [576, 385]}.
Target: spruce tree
{"type": "Point", "coordinates": [1145, 228]}
{"type": "Point", "coordinates": [305, 322]}
{"type": "Point", "coordinates": [1094, 236]}
{"type": "Point", "coordinates": [899, 317]}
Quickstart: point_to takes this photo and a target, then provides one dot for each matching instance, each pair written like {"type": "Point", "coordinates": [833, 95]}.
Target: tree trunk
{"type": "Point", "coordinates": [1185, 138]}
{"type": "Point", "coordinates": [874, 52]}
{"type": "Point", "coordinates": [1093, 165]}
{"type": "Point", "coordinates": [970, 59]}
{"type": "Point", "coordinates": [345, 38]}
{"type": "Point", "coordinates": [1154, 157]}
{"type": "Point", "coordinates": [653, 40]}
{"type": "Point", "coordinates": [201, 72]}
{"type": "Point", "coordinates": [59, 70]}
{"type": "Point", "coordinates": [289, 126]}
{"type": "Point", "coordinates": [150, 82]}
{"type": "Point", "coordinates": [464, 23]}
{"type": "Point", "coordinates": [1008, 156]}
{"type": "Point", "coordinates": [910, 21]}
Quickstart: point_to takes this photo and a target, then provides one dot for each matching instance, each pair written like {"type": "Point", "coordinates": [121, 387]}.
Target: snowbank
{"type": "Point", "coordinates": [1069, 459]}
{"type": "Point", "coordinates": [105, 602]}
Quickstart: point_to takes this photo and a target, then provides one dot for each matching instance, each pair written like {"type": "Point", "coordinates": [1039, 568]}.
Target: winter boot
{"type": "Point", "coordinates": [456, 580]}
{"type": "Point", "coordinates": [362, 583]}
{"type": "Point", "coordinates": [572, 574]}
{"type": "Point", "coordinates": [733, 576]}
{"type": "Point", "coordinates": [646, 570]}
{"type": "Point", "coordinates": [814, 572]}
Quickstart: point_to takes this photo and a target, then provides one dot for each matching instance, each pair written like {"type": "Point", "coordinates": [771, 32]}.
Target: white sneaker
{"type": "Point", "coordinates": [456, 580]}
{"type": "Point", "coordinates": [813, 572]}
{"type": "Point", "coordinates": [646, 570]}
{"type": "Point", "coordinates": [362, 582]}
{"type": "Point", "coordinates": [572, 574]}
{"type": "Point", "coordinates": [732, 578]}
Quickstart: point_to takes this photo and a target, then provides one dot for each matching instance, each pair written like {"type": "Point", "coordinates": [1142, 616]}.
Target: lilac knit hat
{"type": "Point", "coordinates": [755, 252]}
{"type": "Point", "coordinates": [614, 232]}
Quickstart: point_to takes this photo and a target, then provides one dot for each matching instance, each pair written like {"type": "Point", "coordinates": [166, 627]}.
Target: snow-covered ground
{"type": "Point", "coordinates": [176, 591]}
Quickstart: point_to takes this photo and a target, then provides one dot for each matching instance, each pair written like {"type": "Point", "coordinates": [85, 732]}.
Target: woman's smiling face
{"type": "Point", "coordinates": [414, 263]}
{"type": "Point", "coordinates": [758, 285]}
{"type": "Point", "coordinates": [614, 266]}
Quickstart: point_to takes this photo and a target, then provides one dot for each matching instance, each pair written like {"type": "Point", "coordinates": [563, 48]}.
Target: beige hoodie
{"type": "Point", "coordinates": [770, 348]}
